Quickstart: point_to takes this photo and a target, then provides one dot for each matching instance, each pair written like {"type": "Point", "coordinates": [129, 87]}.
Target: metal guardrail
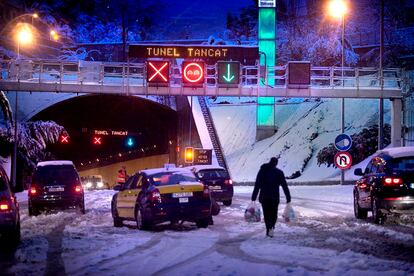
{"type": "Point", "coordinates": [115, 77]}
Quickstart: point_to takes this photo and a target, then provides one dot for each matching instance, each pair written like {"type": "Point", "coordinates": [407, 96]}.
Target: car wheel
{"type": "Point", "coordinates": [227, 202]}
{"type": "Point", "coordinates": [33, 211]}
{"type": "Point", "coordinates": [142, 224]}
{"type": "Point", "coordinates": [377, 215]}
{"type": "Point", "coordinates": [203, 223]}
{"type": "Point", "coordinates": [117, 221]}
{"type": "Point", "coordinates": [359, 213]}
{"type": "Point", "coordinates": [11, 238]}
{"type": "Point", "coordinates": [82, 208]}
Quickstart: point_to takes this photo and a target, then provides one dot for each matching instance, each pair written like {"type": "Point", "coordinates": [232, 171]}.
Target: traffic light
{"type": "Point", "coordinates": [130, 142]}
{"type": "Point", "coordinates": [97, 140]}
{"type": "Point", "coordinates": [64, 139]}
{"type": "Point", "coordinates": [193, 73]}
{"type": "Point", "coordinates": [189, 155]}
{"type": "Point", "coordinates": [228, 73]}
{"type": "Point", "coordinates": [158, 73]}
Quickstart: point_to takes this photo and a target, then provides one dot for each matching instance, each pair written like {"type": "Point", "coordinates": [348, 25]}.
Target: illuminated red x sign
{"type": "Point", "coordinates": [64, 139]}
{"type": "Point", "coordinates": [158, 72]}
{"type": "Point", "coordinates": [97, 140]}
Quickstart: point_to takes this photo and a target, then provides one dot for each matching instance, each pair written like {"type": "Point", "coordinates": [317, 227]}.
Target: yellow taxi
{"type": "Point", "coordinates": [158, 195]}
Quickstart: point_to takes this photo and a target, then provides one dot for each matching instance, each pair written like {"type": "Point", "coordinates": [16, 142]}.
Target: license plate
{"type": "Point", "coordinates": [183, 194]}
{"type": "Point", "coordinates": [57, 189]}
{"type": "Point", "coordinates": [183, 200]}
{"type": "Point", "coordinates": [214, 187]}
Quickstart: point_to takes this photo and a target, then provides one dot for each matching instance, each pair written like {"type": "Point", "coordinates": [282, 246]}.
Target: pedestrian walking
{"type": "Point", "coordinates": [267, 184]}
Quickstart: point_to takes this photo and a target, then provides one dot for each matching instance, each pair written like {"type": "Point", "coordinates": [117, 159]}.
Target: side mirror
{"type": "Point", "coordinates": [117, 187]}
{"type": "Point", "coordinates": [358, 172]}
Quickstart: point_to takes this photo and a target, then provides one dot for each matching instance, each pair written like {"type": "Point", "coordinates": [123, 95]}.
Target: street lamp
{"type": "Point", "coordinates": [24, 36]}
{"type": "Point", "coordinates": [54, 35]}
{"type": "Point", "coordinates": [338, 9]}
{"type": "Point", "coordinates": [34, 16]}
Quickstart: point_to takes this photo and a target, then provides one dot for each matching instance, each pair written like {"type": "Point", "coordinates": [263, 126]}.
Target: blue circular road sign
{"type": "Point", "coordinates": [343, 142]}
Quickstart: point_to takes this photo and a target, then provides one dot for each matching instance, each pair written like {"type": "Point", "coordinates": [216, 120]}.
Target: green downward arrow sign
{"type": "Point", "coordinates": [229, 76]}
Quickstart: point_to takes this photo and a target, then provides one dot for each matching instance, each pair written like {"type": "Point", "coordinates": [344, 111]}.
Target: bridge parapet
{"type": "Point", "coordinates": [130, 78]}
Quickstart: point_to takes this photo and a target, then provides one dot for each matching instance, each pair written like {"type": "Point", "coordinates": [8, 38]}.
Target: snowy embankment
{"type": "Point", "coordinates": [326, 239]}
{"type": "Point", "coordinates": [303, 130]}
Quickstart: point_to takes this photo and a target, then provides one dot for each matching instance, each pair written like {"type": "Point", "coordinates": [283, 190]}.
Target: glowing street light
{"type": "Point", "coordinates": [54, 35]}
{"type": "Point", "coordinates": [24, 36]}
{"type": "Point", "coordinates": [337, 8]}
{"type": "Point", "coordinates": [34, 16]}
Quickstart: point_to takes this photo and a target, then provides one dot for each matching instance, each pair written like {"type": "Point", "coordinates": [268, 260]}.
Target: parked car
{"type": "Point", "coordinates": [158, 195]}
{"type": "Point", "coordinates": [94, 182]}
{"type": "Point", "coordinates": [55, 185]}
{"type": "Point", "coordinates": [218, 181]}
{"type": "Point", "coordinates": [387, 185]}
{"type": "Point", "coordinates": [9, 213]}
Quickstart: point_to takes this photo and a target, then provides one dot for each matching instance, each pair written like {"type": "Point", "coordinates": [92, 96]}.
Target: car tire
{"type": "Point", "coordinates": [377, 215]}
{"type": "Point", "coordinates": [142, 224]}
{"type": "Point", "coordinates": [202, 223]}
{"type": "Point", "coordinates": [11, 238]}
{"type": "Point", "coordinates": [359, 213]}
{"type": "Point", "coordinates": [117, 221]}
{"type": "Point", "coordinates": [33, 211]}
{"type": "Point", "coordinates": [227, 202]}
{"type": "Point", "coordinates": [82, 208]}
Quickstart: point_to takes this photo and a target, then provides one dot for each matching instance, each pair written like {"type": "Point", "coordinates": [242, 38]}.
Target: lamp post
{"type": "Point", "coordinates": [23, 36]}
{"type": "Point", "coordinates": [34, 16]}
{"type": "Point", "coordinates": [338, 9]}
{"type": "Point", "coordinates": [53, 35]}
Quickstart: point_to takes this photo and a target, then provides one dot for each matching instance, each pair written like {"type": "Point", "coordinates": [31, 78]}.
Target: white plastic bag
{"type": "Point", "coordinates": [252, 213]}
{"type": "Point", "coordinates": [289, 214]}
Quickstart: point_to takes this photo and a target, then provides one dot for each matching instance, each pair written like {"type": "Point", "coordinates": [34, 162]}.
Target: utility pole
{"type": "Point", "coordinates": [381, 79]}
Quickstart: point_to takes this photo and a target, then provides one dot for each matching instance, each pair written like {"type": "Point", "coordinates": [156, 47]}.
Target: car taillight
{"type": "Point", "coordinates": [206, 192]}
{"type": "Point", "coordinates": [392, 181]}
{"type": "Point", "coordinates": [4, 206]}
{"type": "Point", "coordinates": [32, 191]}
{"type": "Point", "coordinates": [78, 189]}
{"type": "Point", "coordinates": [155, 196]}
{"type": "Point", "coordinates": [228, 182]}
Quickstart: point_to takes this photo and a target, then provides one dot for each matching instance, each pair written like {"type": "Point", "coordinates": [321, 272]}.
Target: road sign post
{"type": "Point", "coordinates": [343, 142]}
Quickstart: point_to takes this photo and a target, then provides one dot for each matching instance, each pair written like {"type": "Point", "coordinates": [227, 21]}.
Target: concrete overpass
{"type": "Point", "coordinates": [130, 79]}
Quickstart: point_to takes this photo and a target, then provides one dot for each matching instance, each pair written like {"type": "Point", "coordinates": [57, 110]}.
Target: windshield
{"type": "Point", "coordinates": [171, 178]}
{"type": "Point", "coordinates": [402, 164]}
{"type": "Point", "coordinates": [212, 174]}
{"type": "Point", "coordinates": [55, 175]}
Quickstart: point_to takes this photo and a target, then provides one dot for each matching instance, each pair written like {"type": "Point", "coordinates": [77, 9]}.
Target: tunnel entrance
{"type": "Point", "coordinates": [108, 129]}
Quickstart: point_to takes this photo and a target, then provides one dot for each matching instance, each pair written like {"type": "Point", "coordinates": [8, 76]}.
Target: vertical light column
{"type": "Point", "coordinates": [267, 46]}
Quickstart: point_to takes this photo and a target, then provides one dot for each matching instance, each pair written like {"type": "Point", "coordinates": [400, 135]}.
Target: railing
{"type": "Point", "coordinates": [134, 74]}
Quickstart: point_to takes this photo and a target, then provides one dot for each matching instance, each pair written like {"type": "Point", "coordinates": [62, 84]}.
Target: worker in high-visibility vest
{"type": "Point", "coordinates": [122, 176]}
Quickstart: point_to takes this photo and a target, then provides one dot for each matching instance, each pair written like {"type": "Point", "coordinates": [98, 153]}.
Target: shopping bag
{"type": "Point", "coordinates": [289, 214]}
{"type": "Point", "coordinates": [252, 213]}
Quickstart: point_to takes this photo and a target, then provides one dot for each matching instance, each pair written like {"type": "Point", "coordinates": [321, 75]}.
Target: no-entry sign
{"type": "Point", "coordinates": [343, 160]}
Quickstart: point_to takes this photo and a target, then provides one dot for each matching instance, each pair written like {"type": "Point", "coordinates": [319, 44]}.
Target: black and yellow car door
{"type": "Point", "coordinates": [127, 198]}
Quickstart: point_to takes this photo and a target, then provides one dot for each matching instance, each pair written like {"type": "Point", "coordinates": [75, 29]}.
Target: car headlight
{"type": "Point", "coordinates": [88, 184]}
{"type": "Point", "coordinates": [100, 184]}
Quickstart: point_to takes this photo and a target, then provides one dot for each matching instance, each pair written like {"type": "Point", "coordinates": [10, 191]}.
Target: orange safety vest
{"type": "Point", "coordinates": [121, 176]}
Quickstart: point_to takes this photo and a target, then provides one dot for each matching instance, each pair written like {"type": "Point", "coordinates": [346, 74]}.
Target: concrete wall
{"type": "Point", "coordinates": [110, 172]}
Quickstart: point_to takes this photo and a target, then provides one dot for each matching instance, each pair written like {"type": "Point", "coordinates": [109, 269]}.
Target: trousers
{"type": "Point", "coordinates": [270, 208]}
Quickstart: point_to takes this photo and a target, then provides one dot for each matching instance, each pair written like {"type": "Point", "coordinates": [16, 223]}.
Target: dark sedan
{"type": "Point", "coordinates": [386, 186]}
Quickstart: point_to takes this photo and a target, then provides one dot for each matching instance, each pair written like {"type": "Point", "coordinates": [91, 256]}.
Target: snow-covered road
{"type": "Point", "coordinates": [326, 239]}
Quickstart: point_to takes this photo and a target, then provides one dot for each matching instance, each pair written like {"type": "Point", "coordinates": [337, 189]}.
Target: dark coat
{"type": "Point", "coordinates": [268, 181]}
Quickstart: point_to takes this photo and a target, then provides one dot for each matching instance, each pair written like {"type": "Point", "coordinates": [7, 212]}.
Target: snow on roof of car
{"type": "Point", "coordinates": [398, 152]}
{"type": "Point", "coordinates": [54, 163]}
{"type": "Point", "coordinates": [161, 170]}
{"type": "Point", "coordinates": [198, 168]}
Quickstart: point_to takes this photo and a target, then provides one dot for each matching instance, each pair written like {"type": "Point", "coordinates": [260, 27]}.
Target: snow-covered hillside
{"type": "Point", "coordinates": [303, 129]}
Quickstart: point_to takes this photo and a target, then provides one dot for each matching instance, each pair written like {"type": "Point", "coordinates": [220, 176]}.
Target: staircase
{"type": "Point", "coordinates": [212, 132]}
